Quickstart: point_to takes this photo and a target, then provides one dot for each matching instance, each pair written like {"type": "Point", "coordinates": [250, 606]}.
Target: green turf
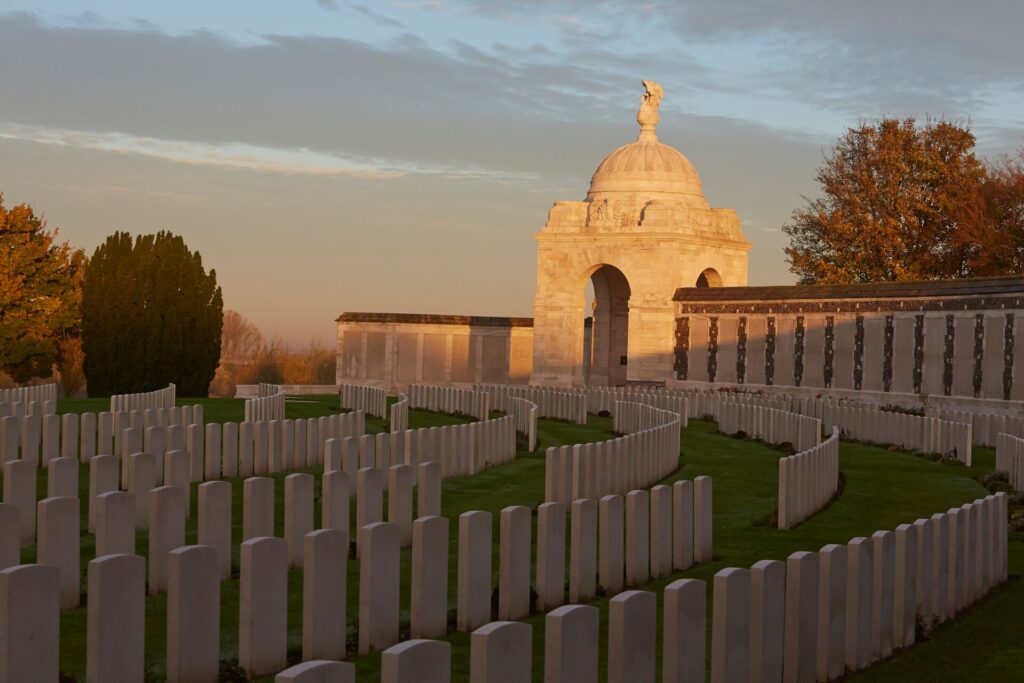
{"type": "Point", "coordinates": [883, 489]}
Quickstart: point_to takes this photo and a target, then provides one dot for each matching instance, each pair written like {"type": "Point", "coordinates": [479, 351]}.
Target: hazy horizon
{"type": "Point", "coordinates": [396, 156]}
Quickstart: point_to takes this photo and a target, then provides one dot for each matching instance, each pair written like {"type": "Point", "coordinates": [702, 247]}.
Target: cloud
{"type": "Point", "coordinates": [377, 17]}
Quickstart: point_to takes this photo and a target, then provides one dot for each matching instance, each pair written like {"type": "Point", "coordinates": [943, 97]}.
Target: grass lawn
{"type": "Point", "coordinates": [883, 489]}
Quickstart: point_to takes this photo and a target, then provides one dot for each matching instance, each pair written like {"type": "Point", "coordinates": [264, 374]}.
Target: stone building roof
{"type": "Point", "coordinates": [984, 286]}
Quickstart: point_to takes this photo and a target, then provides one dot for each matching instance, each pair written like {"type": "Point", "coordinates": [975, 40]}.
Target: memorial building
{"type": "Point", "coordinates": [671, 308]}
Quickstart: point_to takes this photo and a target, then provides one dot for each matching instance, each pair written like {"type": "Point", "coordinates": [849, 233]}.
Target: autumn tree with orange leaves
{"type": "Point", "coordinates": [902, 201]}
{"type": "Point", "coordinates": [40, 294]}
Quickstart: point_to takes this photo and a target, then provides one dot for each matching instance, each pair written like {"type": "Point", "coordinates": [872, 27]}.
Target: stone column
{"type": "Point", "coordinates": [193, 615]}
{"type": "Point", "coordinates": [257, 507]}
{"type": "Point", "coordinates": [767, 620]}
{"type": "Point", "coordinates": [417, 661]}
{"type": "Point", "coordinates": [166, 532]}
{"type": "Point", "coordinates": [30, 624]}
{"type": "Point", "coordinates": [115, 633]}
{"type": "Point", "coordinates": [684, 632]}
{"type": "Point", "coordinates": [263, 606]}
{"type": "Point", "coordinates": [324, 594]}
{"type": "Point", "coordinates": [214, 527]}
{"type": "Point", "coordinates": [730, 626]}
{"type": "Point", "coordinates": [298, 514]}
{"type": "Point", "coordinates": [429, 613]}
{"type": "Point", "coordinates": [379, 578]}
{"type": "Point", "coordinates": [474, 581]}
{"type": "Point", "coordinates": [801, 632]}
{"type": "Point", "coordinates": [632, 637]}
{"type": "Point", "coordinates": [501, 652]}
{"type": "Point", "coordinates": [550, 556]}
{"type": "Point", "coordinates": [583, 551]}
{"type": "Point", "coordinates": [115, 523]}
{"type": "Point", "coordinates": [571, 644]}
{"type": "Point", "coordinates": [58, 545]}
{"type": "Point", "coordinates": [514, 568]}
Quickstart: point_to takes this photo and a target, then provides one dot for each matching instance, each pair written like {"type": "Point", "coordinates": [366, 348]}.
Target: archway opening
{"type": "Point", "coordinates": [605, 339]}
{"type": "Point", "coordinates": [709, 278]}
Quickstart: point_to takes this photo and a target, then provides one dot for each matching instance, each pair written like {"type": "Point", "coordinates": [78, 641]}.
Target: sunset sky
{"type": "Point", "coordinates": [396, 156]}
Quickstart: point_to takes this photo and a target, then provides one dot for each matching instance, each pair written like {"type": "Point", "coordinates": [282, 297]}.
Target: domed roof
{"type": "Point", "coordinates": [646, 167]}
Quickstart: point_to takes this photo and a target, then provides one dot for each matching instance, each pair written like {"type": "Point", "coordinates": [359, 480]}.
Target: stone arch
{"type": "Point", "coordinates": [709, 277]}
{"type": "Point", "coordinates": [608, 342]}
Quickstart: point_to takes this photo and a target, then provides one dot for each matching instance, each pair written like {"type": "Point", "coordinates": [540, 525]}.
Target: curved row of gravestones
{"type": "Point", "coordinates": [643, 535]}
{"type": "Point", "coordinates": [268, 404]}
{"type": "Point", "coordinates": [452, 400]}
{"type": "Point", "coordinates": [562, 546]}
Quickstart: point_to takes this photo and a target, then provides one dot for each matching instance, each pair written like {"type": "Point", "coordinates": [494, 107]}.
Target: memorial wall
{"type": "Point", "coordinates": [945, 338]}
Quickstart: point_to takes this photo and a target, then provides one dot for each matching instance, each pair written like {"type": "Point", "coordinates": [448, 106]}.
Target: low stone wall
{"type": "Point", "coordinates": [558, 404]}
{"type": "Point", "coordinates": [370, 400]}
{"type": "Point", "coordinates": [635, 460]}
{"type": "Point", "coordinates": [807, 481]}
{"type": "Point", "coordinates": [770, 425]}
{"type": "Point", "coordinates": [37, 399]}
{"type": "Point", "coordinates": [161, 398]}
{"type": "Point", "coordinates": [450, 400]}
{"type": "Point", "coordinates": [1010, 459]}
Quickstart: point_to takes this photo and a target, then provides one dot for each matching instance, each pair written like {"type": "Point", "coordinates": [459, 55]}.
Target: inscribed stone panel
{"type": "Point", "coordinates": [756, 328]}
{"type": "Point", "coordinates": [462, 371]}
{"type": "Point", "coordinates": [375, 342]}
{"type": "Point", "coordinates": [405, 363]}
{"type": "Point", "coordinates": [495, 358]}
{"type": "Point", "coordinates": [435, 357]}
{"type": "Point", "coordinates": [350, 364]}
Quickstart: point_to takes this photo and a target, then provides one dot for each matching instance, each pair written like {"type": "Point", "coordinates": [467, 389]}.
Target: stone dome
{"type": "Point", "coordinates": [649, 168]}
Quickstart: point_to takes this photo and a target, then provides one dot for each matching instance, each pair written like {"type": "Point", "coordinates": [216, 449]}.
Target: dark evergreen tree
{"type": "Point", "coordinates": [151, 315]}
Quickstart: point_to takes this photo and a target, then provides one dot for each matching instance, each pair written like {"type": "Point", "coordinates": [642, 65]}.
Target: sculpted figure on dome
{"type": "Point", "coordinates": [647, 117]}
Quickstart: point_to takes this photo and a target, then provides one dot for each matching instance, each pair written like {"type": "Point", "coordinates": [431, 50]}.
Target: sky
{"type": "Point", "coordinates": [396, 156]}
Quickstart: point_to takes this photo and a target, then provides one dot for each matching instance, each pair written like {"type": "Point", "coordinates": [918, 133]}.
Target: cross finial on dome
{"type": "Point", "coordinates": [647, 117]}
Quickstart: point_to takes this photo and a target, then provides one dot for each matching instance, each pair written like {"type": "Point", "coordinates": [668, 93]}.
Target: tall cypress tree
{"type": "Point", "coordinates": [151, 315]}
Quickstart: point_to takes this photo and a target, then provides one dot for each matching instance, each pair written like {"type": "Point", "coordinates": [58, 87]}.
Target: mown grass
{"type": "Point", "coordinates": [883, 489]}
